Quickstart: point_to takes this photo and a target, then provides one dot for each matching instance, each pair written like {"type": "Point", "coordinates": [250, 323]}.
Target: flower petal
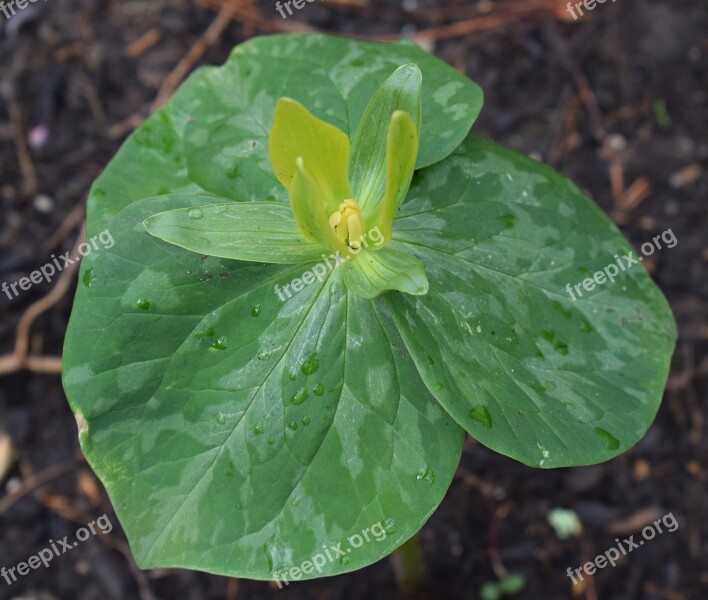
{"type": "Point", "coordinates": [367, 167]}
{"type": "Point", "coordinates": [251, 231]}
{"type": "Point", "coordinates": [373, 273]}
{"type": "Point", "coordinates": [311, 217]}
{"type": "Point", "coordinates": [296, 132]}
{"type": "Point", "coordinates": [401, 154]}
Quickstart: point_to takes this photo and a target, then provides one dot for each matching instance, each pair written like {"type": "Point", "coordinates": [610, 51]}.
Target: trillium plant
{"type": "Point", "coordinates": [320, 281]}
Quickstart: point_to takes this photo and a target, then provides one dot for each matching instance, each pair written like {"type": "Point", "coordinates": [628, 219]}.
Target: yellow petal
{"type": "Point", "coordinates": [297, 133]}
{"type": "Point", "coordinates": [401, 154]}
{"type": "Point", "coordinates": [311, 217]}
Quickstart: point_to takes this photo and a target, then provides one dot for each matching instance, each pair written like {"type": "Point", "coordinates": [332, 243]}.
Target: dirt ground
{"type": "Point", "coordinates": [616, 101]}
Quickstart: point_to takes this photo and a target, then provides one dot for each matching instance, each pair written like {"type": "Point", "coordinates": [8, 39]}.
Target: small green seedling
{"type": "Point", "coordinates": [320, 281]}
{"type": "Point", "coordinates": [510, 584]}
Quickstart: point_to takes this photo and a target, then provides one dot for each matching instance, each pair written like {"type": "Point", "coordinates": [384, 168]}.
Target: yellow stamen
{"type": "Point", "coordinates": [348, 224]}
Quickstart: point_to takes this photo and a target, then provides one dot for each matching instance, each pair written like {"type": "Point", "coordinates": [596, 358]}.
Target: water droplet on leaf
{"type": "Point", "coordinates": [88, 278]}
{"type": "Point", "coordinates": [311, 364]}
{"type": "Point", "coordinates": [480, 414]}
{"type": "Point", "coordinates": [426, 475]}
{"type": "Point", "coordinates": [609, 440]}
{"type": "Point", "coordinates": [209, 332]}
{"type": "Point", "coordinates": [390, 526]}
{"type": "Point", "coordinates": [299, 397]}
{"type": "Point", "coordinates": [220, 344]}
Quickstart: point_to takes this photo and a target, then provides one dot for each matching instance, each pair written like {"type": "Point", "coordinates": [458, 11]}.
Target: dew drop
{"type": "Point", "coordinates": [269, 556]}
{"type": "Point", "coordinates": [548, 334]}
{"type": "Point", "coordinates": [561, 348]}
{"type": "Point", "coordinates": [263, 355]}
{"type": "Point", "coordinates": [88, 278]}
{"type": "Point", "coordinates": [311, 364]}
{"type": "Point", "coordinates": [292, 375]}
{"type": "Point", "coordinates": [220, 344]}
{"type": "Point", "coordinates": [343, 560]}
{"type": "Point", "coordinates": [480, 414]}
{"type": "Point", "coordinates": [256, 311]}
{"type": "Point", "coordinates": [426, 475]}
{"type": "Point", "coordinates": [220, 418]}
{"type": "Point", "coordinates": [292, 425]}
{"type": "Point", "coordinates": [143, 304]}
{"type": "Point", "coordinates": [439, 386]}
{"type": "Point", "coordinates": [299, 397]}
{"type": "Point", "coordinates": [257, 430]}
{"type": "Point", "coordinates": [209, 332]}
{"type": "Point", "coordinates": [319, 389]}
{"type": "Point", "coordinates": [195, 213]}
{"type": "Point", "coordinates": [390, 526]}
{"type": "Point", "coordinates": [609, 440]}
{"type": "Point", "coordinates": [306, 421]}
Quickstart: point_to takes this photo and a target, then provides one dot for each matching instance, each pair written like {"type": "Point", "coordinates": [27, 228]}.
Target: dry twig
{"type": "Point", "coordinates": [20, 359]}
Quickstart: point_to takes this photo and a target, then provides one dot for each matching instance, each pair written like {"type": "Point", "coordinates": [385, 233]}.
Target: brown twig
{"type": "Point", "coordinates": [208, 38]}
{"type": "Point", "coordinates": [20, 359]}
{"type": "Point", "coordinates": [34, 481]}
{"type": "Point", "coordinates": [24, 158]}
{"type": "Point", "coordinates": [74, 218]}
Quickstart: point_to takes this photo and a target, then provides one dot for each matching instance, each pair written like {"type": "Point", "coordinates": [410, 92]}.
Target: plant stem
{"type": "Point", "coordinates": [409, 567]}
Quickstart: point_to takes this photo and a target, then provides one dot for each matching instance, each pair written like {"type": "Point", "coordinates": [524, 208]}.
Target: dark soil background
{"type": "Point", "coordinates": [616, 101]}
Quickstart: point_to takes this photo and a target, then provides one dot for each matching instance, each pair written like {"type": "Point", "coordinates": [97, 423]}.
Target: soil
{"type": "Point", "coordinates": [616, 101]}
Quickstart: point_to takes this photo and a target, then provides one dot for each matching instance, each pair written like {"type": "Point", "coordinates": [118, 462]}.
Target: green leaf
{"type": "Point", "coordinates": [298, 134]}
{"type": "Point", "coordinates": [372, 144]}
{"type": "Point", "coordinates": [254, 231]}
{"type": "Point", "coordinates": [237, 434]}
{"type": "Point", "coordinates": [490, 591]}
{"type": "Point", "coordinates": [375, 272]}
{"type": "Point", "coordinates": [228, 112]}
{"type": "Point", "coordinates": [513, 583]}
{"type": "Point", "coordinates": [521, 366]}
{"type": "Point", "coordinates": [337, 72]}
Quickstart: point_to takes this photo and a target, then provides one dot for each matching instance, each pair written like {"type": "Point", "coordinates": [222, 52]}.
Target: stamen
{"type": "Point", "coordinates": [348, 224]}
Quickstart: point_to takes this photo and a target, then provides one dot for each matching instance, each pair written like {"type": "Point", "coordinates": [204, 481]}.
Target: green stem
{"type": "Point", "coordinates": [409, 567]}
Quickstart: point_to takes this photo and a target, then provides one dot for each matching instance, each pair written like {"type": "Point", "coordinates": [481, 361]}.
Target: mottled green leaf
{"type": "Point", "coordinates": [521, 366]}
{"type": "Point", "coordinates": [236, 433]}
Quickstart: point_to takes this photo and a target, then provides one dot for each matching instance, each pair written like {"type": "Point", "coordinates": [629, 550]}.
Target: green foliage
{"type": "Point", "coordinates": [245, 402]}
